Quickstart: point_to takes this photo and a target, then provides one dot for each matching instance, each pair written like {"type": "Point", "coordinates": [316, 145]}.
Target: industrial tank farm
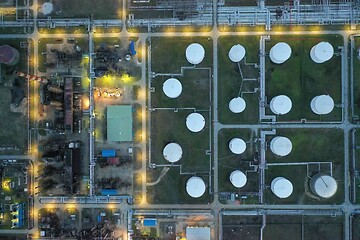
{"type": "Point", "coordinates": [164, 119]}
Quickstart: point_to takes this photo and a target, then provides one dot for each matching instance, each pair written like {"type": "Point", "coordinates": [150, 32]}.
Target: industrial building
{"type": "Point", "coordinates": [119, 123]}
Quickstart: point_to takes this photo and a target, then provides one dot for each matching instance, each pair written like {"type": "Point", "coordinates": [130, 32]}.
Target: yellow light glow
{"type": "Point", "coordinates": [85, 102]}
{"type": "Point", "coordinates": [6, 185]}
{"type": "Point", "coordinates": [49, 205]}
{"type": "Point", "coordinates": [70, 206]}
{"type": "Point", "coordinates": [142, 94]}
{"type": "Point", "coordinates": [111, 206]}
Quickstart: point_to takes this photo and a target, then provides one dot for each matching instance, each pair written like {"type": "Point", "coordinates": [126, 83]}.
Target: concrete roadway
{"type": "Point", "coordinates": [216, 207]}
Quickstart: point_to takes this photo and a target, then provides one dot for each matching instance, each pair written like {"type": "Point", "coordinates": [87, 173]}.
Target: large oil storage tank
{"type": "Point", "coordinates": [324, 186]}
{"type": "Point", "coordinates": [9, 55]}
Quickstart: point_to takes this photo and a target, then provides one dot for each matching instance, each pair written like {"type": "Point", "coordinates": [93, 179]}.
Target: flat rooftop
{"type": "Point", "coordinates": [119, 123]}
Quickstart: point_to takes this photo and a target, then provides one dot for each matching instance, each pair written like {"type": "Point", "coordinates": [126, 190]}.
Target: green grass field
{"type": "Point", "coordinates": [172, 189]}
{"type": "Point", "coordinates": [228, 162]}
{"type": "Point", "coordinates": [357, 165]}
{"type": "Point", "coordinates": [229, 80]}
{"type": "Point", "coordinates": [301, 79]}
{"type": "Point", "coordinates": [356, 72]}
{"type": "Point", "coordinates": [356, 227]}
{"type": "Point", "coordinates": [320, 145]}
{"type": "Point", "coordinates": [169, 126]}
{"type": "Point", "coordinates": [84, 8]}
{"type": "Point", "coordinates": [165, 58]}
{"type": "Point", "coordinates": [195, 92]}
{"type": "Point", "coordinates": [13, 127]}
{"type": "Point", "coordinates": [314, 227]}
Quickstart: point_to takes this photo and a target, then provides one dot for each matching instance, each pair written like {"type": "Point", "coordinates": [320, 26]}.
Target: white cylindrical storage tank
{"type": "Point", "coordinates": [237, 105]}
{"type": "Point", "coordinates": [322, 104]}
{"type": "Point", "coordinates": [281, 146]}
{"type": "Point", "coordinates": [237, 145]}
{"type": "Point", "coordinates": [323, 185]}
{"type": "Point", "coordinates": [195, 187]}
{"type": "Point", "coordinates": [172, 88]}
{"type": "Point", "coordinates": [237, 53]}
{"type": "Point", "coordinates": [280, 52]}
{"type": "Point", "coordinates": [280, 104]}
{"type": "Point", "coordinates": [172, 152]}
{"type": "Point", "coordinates": [281, 187]}
{"type": "Point", "coordinates": [322, 52]}
{"type": "Point", "coordinates": [47, 8]}
{"type": "Point", "coordinates": [195, 53]}
{"type": "Point", "coordinates": [195, 122]}
{"type": "Point", "coordinates": [238, 179]}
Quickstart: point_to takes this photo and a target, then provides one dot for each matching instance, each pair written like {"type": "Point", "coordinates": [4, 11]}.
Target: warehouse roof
{"type": "Point", "coordinates": [119, 123]}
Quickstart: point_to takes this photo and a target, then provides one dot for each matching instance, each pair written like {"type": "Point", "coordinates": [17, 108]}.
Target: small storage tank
{"type": "Point", "coordinates": [9, 55]}
{"type": "Point", "coordinates": [282, 187]}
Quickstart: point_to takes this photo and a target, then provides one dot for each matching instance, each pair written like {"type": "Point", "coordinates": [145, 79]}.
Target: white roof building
{"type": "Point", "coordinates": [195, 122]}
{"type": "Point", "coordinates": [238, 179]}
{"type": "Point", "coordinates": [280, 105]}
{"type": "Point", "coordinates": [198, 233]}
{"type": "Point", "coordinates": [237, 145]}
{"type": "Point", "coordinates": [172, 88]}
{"type": "Point", "coordinates": [281, 187]}
{"type": "Point", "coordinates": [237, 53]}
{"type": "Point", "coordinates": [195, 53]}
{"type": "Point", "coordinates": [324, 186]}
{"type": "Point", "coordinates": [237, 105]}
{"type": "Point", "coordinates": [322, 104]}
{"type": "Point", "coordinates": [322, 52]}
{"type": "Point", "coordinates": [281, 146]}
{"type": "Point", "coordinates": [280, 52]}
{"type": "Point", "coordinates": [195, 187]}
{"type": "Point", "coordinates": [172, 152]}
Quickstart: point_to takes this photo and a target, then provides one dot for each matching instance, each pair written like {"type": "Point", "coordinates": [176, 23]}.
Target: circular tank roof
{"type": "Point", "coordinates": [195, 122]}
{"type": "Point", "coordinates": [238, 178]}
{"type": "Point", "coordinates": [237, 146]}
{"type": "Point", "coordinates": [321, 52]}
{"type": "Point", "coordinates": [322, 104]}
{"type": "Point", "coordinates": [237, 53]}
{"type": "Point", "coordinates": [281, 146]}
{"type": "Point", "coordinates": [195, 187]}
{"type": "Point", "coordinates": [325, 186]}
{"type": "Point", "coordinates": [6, 54]}
{"type": "Point", "coordinates": [195, 53]}
{"type": "Point", "coordinates": [280, 104]}
{"type": "Point", "coordinates": [172, 152]}
{"type": "Point", "coordinates": [172, 88]}
{"type": "Point", "coordinates": [281, 187]}
{"type": "Point", "coordinates": [47, 8]}
{"type": "Point", "coordinates": [280, 52]}
{"type": "Point", "coordinates": [237, 105]}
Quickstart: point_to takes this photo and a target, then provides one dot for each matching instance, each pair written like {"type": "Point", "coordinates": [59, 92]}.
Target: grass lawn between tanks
{"type": "Point", "coordinates": [172, 188]}
{"type": "Point", "coordinates": [315, 145]}
{"type": "Point", "coordinates": [356, 72]}
{"type": "Point", "coordinates": [301, 79]}
{"type": "Point", "coordinates": [229, 162]}
{"type": "Point", "coordinates": [195, 91]}
{"type": "Point", "coordinates": [166, 58]}
{"type": "Point", "coordinates": [229, 80]}
{"type": "Point", "coordinates": [169, 126]}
